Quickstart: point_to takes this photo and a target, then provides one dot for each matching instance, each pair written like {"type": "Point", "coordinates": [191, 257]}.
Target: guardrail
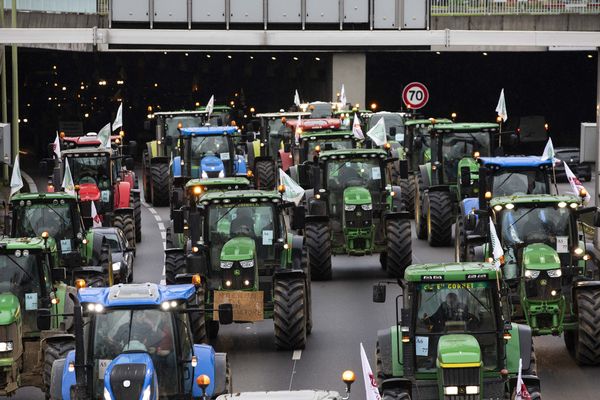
{"type": "Point", "coordinates": [58, 6]}
{"type": "Point", "coordinates": [513, 7]}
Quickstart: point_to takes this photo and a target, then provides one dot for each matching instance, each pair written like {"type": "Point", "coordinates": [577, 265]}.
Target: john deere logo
{"type": "Point", "coordinates": [543, 282]}
{"type": "Point", "coordinates": [237, 272]}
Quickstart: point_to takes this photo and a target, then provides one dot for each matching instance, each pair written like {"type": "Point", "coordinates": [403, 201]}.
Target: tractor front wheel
{"type": "Point", "coordinates": [398, 254]}
{"type": "Point", "coordinates": [126, 223]}
{"type": "Point", "coordinates": [317, 236]}
{"type": "Point", "coordinates": [289, 313]}
{"type": "Point", "coordinates": [265, 173]}
{"type": "Point", "coordinates": [174, 265]}
{"type": "Point", "coordinates": [439, 218]}
{"type": "Point", "coordinates": [420, 210]}
{"type": "Point", "coordinates": [137, 214]}
{"type": "Point", "coordinates": [55, 350]}
{"type": "Point", "coordinates": [461, 247]}
{"type": "Point", "coordinates": [408, 189]}
{"type": "Point", "coordinates": [160, 184]}
{"type": "Point", "coordinates": [587, 334]}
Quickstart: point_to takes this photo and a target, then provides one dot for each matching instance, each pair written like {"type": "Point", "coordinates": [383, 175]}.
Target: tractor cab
{"type": "Point", "coordinates": [417, 141]}
{"type": "Point", "coordinates": [450, 339]}
{"type": "Point", "coordinates": [395, 124]}
{"type": "Point", "coordinates": [197, 187]}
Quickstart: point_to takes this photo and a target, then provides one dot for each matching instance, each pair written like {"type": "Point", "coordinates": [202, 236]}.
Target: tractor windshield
{"type": "Point", "coordinates": [454, 308]}
{"type": "Point", "coordinates": [506, 182]}
{"type": "Point", "coordinates": [36, 218]}
{"type": "Point", "coordinates": [92, 169]}
{"type": "Point", "coordinates": [390, 120]}
{"type": "Point", "coordinates": [150, 330]}
{"type": "Point", "coordinates": [20, 275]}
{"type": "Point", "coordinates": [257, 221]}
{"type": "Point", "coordinates": [328, 144]}
{"type": "Point", "coordinates": [535, 225]}
{"type": "Point", "coordinates": [458, 145]}
{"type": "Point", "coordinates": [173, 124]}
{"type": "Point", "coordinates": [210, 145]}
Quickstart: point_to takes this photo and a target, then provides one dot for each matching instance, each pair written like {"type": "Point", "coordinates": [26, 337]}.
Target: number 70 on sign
{"type": "Point", "coordinates": [415, 95]}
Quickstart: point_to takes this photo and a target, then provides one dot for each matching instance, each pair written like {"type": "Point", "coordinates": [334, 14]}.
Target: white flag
{"type": "Point", "coordinates": [16, 181]}
{"type": "Point", "coordinates": [343, 97]}
{"type": "Point", "coordinates": [57, 146]}
{"type": "Point", "coordinates": [210, 106]}
{"type": "Point", "coordinates": [576, 185]}
{"type": "Point", "coordinates": [501, 107]}
{"type": "Point", "coordinates": [521, 392]}
{"type": "Point", "coordinates": [104, 136]}
{"type": "Point", "coordinates": [356, 129]}
{"type": "Point", "coordinates": [67, 183]}
{"type": "Point", "coordinates": [298, 129]}
{"type": "Point", "coordinates": [497, 252]}
{"type": "Point", "coordinates": [378, 133]}
{"type": "Point", "coordinates": [118, 119]}
{"type": "Point", "coordinates": [548, 153]}
{"type": "Point", "coordinates": [297, 99]}
{"type": "Point", "coordinates": [293, 191]}
{"type": "Point", "coordinates": [97, 222]}
{"type": "Point", "coordinates": [371, 391]}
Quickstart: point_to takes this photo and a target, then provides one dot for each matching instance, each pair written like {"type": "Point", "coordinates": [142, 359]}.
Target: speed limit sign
{"type": "Point", "coordinates": [415, 95]}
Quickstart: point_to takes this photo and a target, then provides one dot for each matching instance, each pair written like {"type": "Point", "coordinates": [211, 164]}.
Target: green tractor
{"type": "Point", "coordinates": [451, 340]}
{"type": "Point", "coordinates": [242, 245]}
{"type": "Point", "coordinates": [31, 279]}
{"type": "Point", "coordinates": [551, 285]}
{"type": "Point", "coordinates": [454, 152]}
{"type": "Point", "coordinates": [355, 210]}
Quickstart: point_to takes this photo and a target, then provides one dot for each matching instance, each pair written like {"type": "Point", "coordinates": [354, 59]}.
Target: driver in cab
{"type": "Point", "coordinates": [450, 310]}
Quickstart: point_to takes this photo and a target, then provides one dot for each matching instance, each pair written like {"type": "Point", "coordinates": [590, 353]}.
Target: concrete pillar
{"type": "Point", "coordinates": [349, 69]}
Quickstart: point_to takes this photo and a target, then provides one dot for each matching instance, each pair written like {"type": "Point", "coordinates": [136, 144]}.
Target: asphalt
{"type": "Point", "coordinates": [344, 316]}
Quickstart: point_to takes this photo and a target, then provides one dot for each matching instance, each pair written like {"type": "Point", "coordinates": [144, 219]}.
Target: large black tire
{"type": "Point", "coordinates": [96, 281]}
{"type": "Point", "coordinates": [137, 214]}
{"type": "Point", "coordinates": [126, 223]}
{"type": "Point", "coordinates": [289, 313]}
{"type": "Point", "coordinates": [388, 394]}
{"type": "Point", "coordinates": [420, 210]}
{"type": "Point", "coordinates": [587, 344]}
{"type": "Point", "coordinates": [408, 188]}
{"type": "Point", "coordinates": [306, 268]}
{"type": "Point", "coordinates": [146, 177]}
{"type": "Point", "coordinates": [439, 218]}
{"type": "Point", "coordinates": [169, 238]}
{"type": "Point", "coordinates": [198, 320]}
{"type": "Point", "coordinates": [317, 237]}
{"type": "Point", "coordinates": [398, 253]}
{"type": "Point", "coordinates": [174, 264]}
{"type": "Point", "coordinates": [266, 175]}
{"type": "Point", "coordinates": [160, 184]}
{"type": "Point", "coordinates": [461, 248]}
{"type": "Point", "coordinates": [55, 350]}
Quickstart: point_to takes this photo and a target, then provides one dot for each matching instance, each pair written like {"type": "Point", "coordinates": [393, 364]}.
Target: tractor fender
{"type": "Point", "coordinates": [397, 198]}
{"type": "Point", "coordinates": [396, 215]}
{"type": "Point", "coordinates": [282, 274]}
{"type": "Point", "coordinates": [122, 195]}
{"type": "Point", "coordinates": [239, 166]}
{"type": "Point", "coordinates": [468, 204]}
{"type": "Point", "coordinates": [384, 338]}
{"type": "Point", "coordinates": [220, 374]}
{"type": "Point", "coordinates": [68, 377]}
{"type": "Point", "coordinates": [316, 206]}
{"type": "Point", "coordinates": [583, 285]}
{"type": "Point", "coordinates": [56, 378]}
{"type": "Point", "coordinates": [297, 246]}
{"type": "Point", "coordinates": [423, 170]}
{"type": "Point", "coordinates": [205, 355]}
{"type": "Point", "coordinates": [317, 218]}
{"type": "Point", "coordinates": [250, 153]}
{"type": "Point", "coordinates": [439, 188]}
{"type": "Point", "coordinates": [176, 166]}
{"type": "Point", "coordinates": [525, 343]}
{"type": "Point", "coordinates": [123, 210]}
{"type": "Point", "coordinates": [397, 383]}
{"type": "Point", "coordinates": [195, 263]}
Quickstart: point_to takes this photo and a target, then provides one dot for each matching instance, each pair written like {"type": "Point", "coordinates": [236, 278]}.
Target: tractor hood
{"type": "Point", "coordinates": [357, 196]}
{"type": "Point", "coordinates": [211, 164]}
{"type": "Point", "coordinates": [540, 257]}
{"type": "Point", "coordinates": [458, 350]}
{"type": "Point", "coordinates": [238, 249]}
{"type": "Point", "coordinates": [89, 192]}
{"type": "Point", "coordinates": [10, 308]}
{"type": "Point", "coordinates": [283, 395]}
{"type": "Point", "coordinates": [136, 368]}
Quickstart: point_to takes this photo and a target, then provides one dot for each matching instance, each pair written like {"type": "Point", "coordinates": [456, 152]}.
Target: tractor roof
{"type": "Point", "coordinates": [457, 272]}
{"type": "Point", "coordinates": [244, 196]}
{"type": "Point", "coordinates": [294, 114]}
{"type": "Point", "coordinates": [314, 124]}
{"type": "Point", "coordinates": [43, 197]}
{"type": "Point", "coordinates": [411, 122]}
{"type": "Point", "coordinates": [136, 294]}
{"type": "Point", "coordinates": [89, 140]}
{"type": "Point", "coordinates": [534, 198]}
{"type": "Point", "coordinates": [284, 394]}
{"type": "Point", "coordinates": [465, 127]}
{"type": "Point", "coordinates": [316, 135]}
{"type": "Point", "coordinates": [181, 113]}
{"type": "Point", "coordinates": [87, 151]}
{"type": "Point", "coordinates": [515, 162]}
{"type": "Point", "coordinates": [229, 183]}
{"type": "Point", "coordinates": [34, 243]}
{"type": "Point", "coordinates": [208, 130]}
{"type": "Point", "coordinates": [353, 153]}
{"type": "Point", "coordinates": [217, 107]}
{"type": "Point", "coordinates": [398, 113]}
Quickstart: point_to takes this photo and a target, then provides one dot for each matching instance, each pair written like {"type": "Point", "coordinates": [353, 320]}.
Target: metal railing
{"type": "Point", "coordinates": [513, 7]}
{"type": "Point", "coordinates": [59, 6]}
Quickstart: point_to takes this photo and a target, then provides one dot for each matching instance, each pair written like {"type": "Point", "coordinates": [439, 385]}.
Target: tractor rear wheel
{"type": "Point", "coordinates": [289, 313]}
{"type": "Point", "coordinates": [306, 268]}
{"type": "Point", "coordinates": [265, 173]}
{"type": "Point", "coordinates": [461, 248]}
{"type": "Point", "coordinates": [408, 187]}
{"type": "Point", "coordinates": [198, 320]}
{"type": "Point", "coordinates": [398, 254]}
{"type": "Point", "coordinates": [439, 218]}
{"type": "Point", "coordinates": [420, 210]}
{"type": "Point", "coordinates": [160, 184]}
{"type": "Point", "coordinates": [317, 236]}
{"type": "Point", "coordinates": [137, 214]}
{"type": "Point", "coordinates": [587, 344]}
{"type": "Point", "coordinates": [54, 350]}
{"type": "Point", "coordinates": [174, 265]}
{"type": "Point", "coordinates": [126, 223]}
{"type": "Point", "coordinates": [146, 177]}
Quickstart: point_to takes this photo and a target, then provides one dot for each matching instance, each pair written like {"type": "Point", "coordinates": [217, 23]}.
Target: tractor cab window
{"type": "Point", "coordinates": [209, 146]}
{"type": "Point", "coordinates": [20, 284]}
{"type": "Point", "coordinates": [506, 182]}
{"type": "Point", "coordinates": [253, 220]}
{"type": "Point", "coordinates": [390, 120]}
{"type": "Point", "coordinates": [115, 242]}
{"type": "Point", "coordinates": [455, 308]}
{"type": "Point", "coordinates": [172, 124]}
{"type": "Point", "coordinates": [523, 225]}
{"type": "Point", "coordinates": [328, 144]}
{"type": "Point", "coordinates": [151, 331]}
{"type": "Point", "coordinates": [458, 145]}
{"type": "Point", "coordinates": [93, 170]}
{"type": "Point", "coordinates": [54, 218]}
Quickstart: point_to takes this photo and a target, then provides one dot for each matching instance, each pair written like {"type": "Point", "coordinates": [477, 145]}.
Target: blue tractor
{"type": "Point", "coordinates": [497, 176]}
{"type": "Point", "coordinates": [137, 344]}
{"type": "Point", "coordinates": [204, 152]}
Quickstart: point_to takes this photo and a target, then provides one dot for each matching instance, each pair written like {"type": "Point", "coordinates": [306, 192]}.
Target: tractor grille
{"type": "Point", "coordinates": [358, 218]}
{"type": "Point", "coordinates": [541, 288]}
{"type": "Point", "coordinates": [133, 374]}
{"type": "Point", "coordinates": [461, 377]}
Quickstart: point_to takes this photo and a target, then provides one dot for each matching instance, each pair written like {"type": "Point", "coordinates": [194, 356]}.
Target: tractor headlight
{"type": "Point", "coordinates": [451, 390]}
{"type": "Point", "coordinates": [554, 273]}
{"type": "Point", "coordinates": [204, 175]}
{"type": "Point", "coordinates": [6, 346]}
{"type": "Point", "coordinates": [349, 207]}
{"type": "Point", "coordinates": [247, 264]}
{"type": "Point", "coordinates": [578, 251]}
{"type": "Point", "coordinates": [226, 264]}
{"type": "Point", "coordinates": [221, 174]}
{"type": "Point", "coordinates": [93, 307]}
{"type": "Point", "coordinates": [367, 207]}
{"type": "Point", "coordinates": [107, 395]}
{"type": "Point", "coordinates": [116, 266]}
{"type": "Point", "coordinates": [532, 274]}
{"type": "Point", "coordinates": [472, 389]}
{"type": "Point", "coordinates": [147, 393]}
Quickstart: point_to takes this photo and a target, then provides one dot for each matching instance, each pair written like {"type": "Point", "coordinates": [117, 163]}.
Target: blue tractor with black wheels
{"type": "Point", "coordinates": [138, 344]}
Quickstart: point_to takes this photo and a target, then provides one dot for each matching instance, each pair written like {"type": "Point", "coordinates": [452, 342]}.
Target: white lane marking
{"type": "Point", "coordinates": [152, 210]}
{"type": "Point", "coordinates": [296, 355]}
{"type": "Point", "coordinates": [157, 218]}
{"type": "Point", "coordinates": [163, 234]}
{"type": "Point", "coordinates": [161, 226]}
{"type": "Point", "coordinates": [30, 182]}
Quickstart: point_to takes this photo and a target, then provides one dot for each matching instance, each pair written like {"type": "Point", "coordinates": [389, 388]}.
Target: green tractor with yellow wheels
{"type": "Point", "coordinates": [451, 340]}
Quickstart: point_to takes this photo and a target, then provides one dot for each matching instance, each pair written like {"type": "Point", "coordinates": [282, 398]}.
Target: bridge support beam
{"type": "Point", "coordinates": [349, 69]}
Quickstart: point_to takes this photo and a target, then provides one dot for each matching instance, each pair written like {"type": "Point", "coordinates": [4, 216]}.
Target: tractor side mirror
{"type": "Point", "coordinates": [298, 218]}
{"type": "Point", "coordinates": [43, 319]}
{"type": "Point", "coordinates": [403, 166]}
{"type": "Point", "coordinates": [379, 291]}
{"type": "Point", "coordinates": [225, 314]}
{"type": "Point", "coordinates": [132, 148]}
{"type": "Point", "coordinates": [465, 176]}
{"type": "Point", "coordinates": [177, 221]}
{"type": "Point", "coordinates": [129, 164]}
{"type": "Point", "coordinates": [418, 142]}
{"type": "Point", "coordinates": [59, 274]}
{"type": "Point", "coordinates": [44, 168]}
{"type": "Point", "coordinates": [169, 141]}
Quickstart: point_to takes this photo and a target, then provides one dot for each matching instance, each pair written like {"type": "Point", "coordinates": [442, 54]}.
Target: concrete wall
{"type": "Point", "coordinates": [565, 22]}
{"type": "Point", "coordinates": [350, 69]}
